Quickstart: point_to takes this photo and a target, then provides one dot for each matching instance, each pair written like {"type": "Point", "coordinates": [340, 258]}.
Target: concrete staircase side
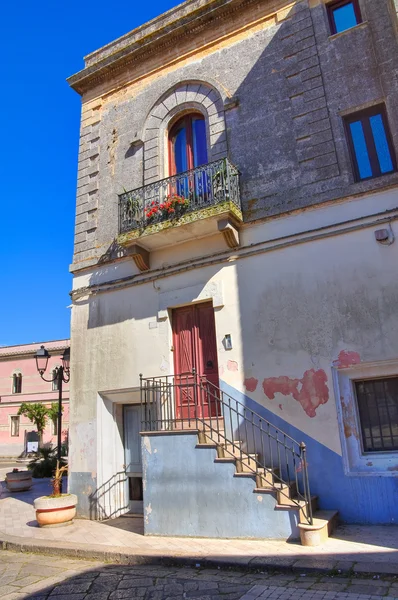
{"type": "Point", "coordinates": [324, 521]}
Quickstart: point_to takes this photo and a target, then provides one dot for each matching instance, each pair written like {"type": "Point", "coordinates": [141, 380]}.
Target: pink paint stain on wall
{"type": "Point", "coordinates": [311, 391]}
{"type": "Point", "coordinates": [346, 359]}
{"type": "Point", "coordinates": [251, 384]}
{"type": "Point", "coordinates": [232, 365]}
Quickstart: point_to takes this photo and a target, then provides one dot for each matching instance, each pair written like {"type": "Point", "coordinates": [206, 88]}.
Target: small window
{"type": "Point", "coordinates": [343, 14]}
{"type": "Point", "coordinates": [370, 143]}
{"type": "Point", "coordinates": [55, 380]}
{"type": "Point", "coordinates": [378, 413]}
{"type": "Point", "coordinates": [17, 383]}
{"type": "Point", "coordinates": [14, 426]}
{"type": "Point", "coordinates": [54, 426]}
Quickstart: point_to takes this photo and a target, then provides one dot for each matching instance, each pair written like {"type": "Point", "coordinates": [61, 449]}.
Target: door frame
{"type": "Point", "coordinates": [135, 506]}
{"type": "Point", "coordinates": [197, 359]}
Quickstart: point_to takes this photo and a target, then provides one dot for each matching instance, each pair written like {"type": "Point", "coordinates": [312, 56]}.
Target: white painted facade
{"type": "Point", "coordinates": [300, 290]}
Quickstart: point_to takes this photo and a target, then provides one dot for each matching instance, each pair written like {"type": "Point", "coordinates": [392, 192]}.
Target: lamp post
{"type": "Point", "coordinates": [62, 375]}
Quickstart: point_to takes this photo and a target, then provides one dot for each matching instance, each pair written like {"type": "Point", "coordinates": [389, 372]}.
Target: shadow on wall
{"type": "Point", "coordinates": [106, 502]}
{"type": "Point", "coordinates": [302, 306]}
{"type": "Point", "coordinates": [136, 303]}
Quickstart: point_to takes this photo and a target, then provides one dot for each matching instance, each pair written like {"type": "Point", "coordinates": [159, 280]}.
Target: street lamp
{"type": "Point", "coordinates": [61, 375]}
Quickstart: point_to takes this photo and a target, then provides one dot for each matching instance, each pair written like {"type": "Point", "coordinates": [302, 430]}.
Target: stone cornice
{"type": "Point", "coordinates": [188, 19]}
{"type": "Point", "coordinates": [12, 351]}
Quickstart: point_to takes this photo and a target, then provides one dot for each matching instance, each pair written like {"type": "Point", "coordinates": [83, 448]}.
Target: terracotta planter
{"type": "Point", "coordinates": [54, 512]}
{"type": "Point", "coordinates": [20, 481]}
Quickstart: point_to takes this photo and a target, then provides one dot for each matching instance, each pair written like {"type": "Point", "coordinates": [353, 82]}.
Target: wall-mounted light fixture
{"type": "Point", "coordinates": [384, 236]}
{"type": "Point", "coordinates": [227, 341]}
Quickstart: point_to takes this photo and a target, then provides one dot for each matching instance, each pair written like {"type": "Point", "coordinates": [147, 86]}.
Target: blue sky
{"type": "Point", "coordinates": [41, 44]}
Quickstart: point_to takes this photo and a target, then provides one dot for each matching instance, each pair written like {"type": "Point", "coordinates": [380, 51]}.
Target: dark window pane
{"type": "Point", "coordinates": [344, 17]}
{"type": "Point", "coordinates": [180, 151]}
{"type": "Point", "coordinates": [14, 426]}
{"type": "Point", "coordinates": [199, 142]}
{"type": "Point", "coordinates": [381, 143]}
{"type": "Point", "coordinates": [135, 488]}
{"type": "Point", "coordinates": [378, 413]}
{"type": "Point", "coordinates": [361, 151]}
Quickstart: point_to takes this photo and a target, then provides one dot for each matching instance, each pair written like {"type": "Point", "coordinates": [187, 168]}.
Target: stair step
{"type": "Point", "coordinates": [286, 493]}
{"type": "Point", "coordinates": [244, 474]}
{"type": "Point", "coordinates": [301, 506]}
{"type": "Point", "coordinates": [324, 522]}
{"type": "Point", "coordinates": [206, 445]}
{"type": "Point", "coordinates": [265, 478]}
{"type": "Point", "coordinates": [247, 463]}
{"type": "Point", "coordinates": [228, 449]}
{"type": "Point", "coordinates": [211, 437]}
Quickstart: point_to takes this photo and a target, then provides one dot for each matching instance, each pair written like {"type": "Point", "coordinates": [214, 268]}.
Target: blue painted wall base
{"type": "Point", "coordinates": [187, 494]}
{"type": "Point", "coordinates": [359, 499]}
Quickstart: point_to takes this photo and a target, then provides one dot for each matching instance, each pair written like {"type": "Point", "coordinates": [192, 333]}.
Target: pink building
{"type": "Point", "coordinates": [20, 382]}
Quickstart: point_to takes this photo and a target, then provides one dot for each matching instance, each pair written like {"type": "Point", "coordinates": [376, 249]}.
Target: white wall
{"type": "Point", "coordinates": [301, 290]}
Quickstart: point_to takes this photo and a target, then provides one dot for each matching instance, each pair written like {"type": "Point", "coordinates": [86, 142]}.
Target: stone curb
{"type": "Point", "coordinates": [122, 556]}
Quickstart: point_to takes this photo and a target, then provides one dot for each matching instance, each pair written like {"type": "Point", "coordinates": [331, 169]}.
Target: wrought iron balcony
{"type": "Point", "coordinates": [205, 191]}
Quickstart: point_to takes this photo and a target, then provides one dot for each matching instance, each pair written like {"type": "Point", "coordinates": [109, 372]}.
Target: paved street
{"type": "Point", "coordinates": [35, 577]}
{"type": "Point", "coordinates": [370, 549]}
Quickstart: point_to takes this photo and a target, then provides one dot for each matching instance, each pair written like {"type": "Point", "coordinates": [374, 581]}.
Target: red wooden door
{"type": "Point", "coordinates": [195, 347]}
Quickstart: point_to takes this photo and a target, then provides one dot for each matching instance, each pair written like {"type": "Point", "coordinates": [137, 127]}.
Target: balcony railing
{"type": "Point", "coordinates": [206, 186]}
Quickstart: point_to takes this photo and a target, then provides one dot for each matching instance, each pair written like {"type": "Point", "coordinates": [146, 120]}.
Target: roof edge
{"type": "Point", "coordinates": [141, 37]}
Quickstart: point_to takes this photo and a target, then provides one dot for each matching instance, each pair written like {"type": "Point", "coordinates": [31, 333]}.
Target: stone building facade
{"type": "Point", "coordinates": [299, 265]}
{"type": "Point", "coordinates": [20, 382]}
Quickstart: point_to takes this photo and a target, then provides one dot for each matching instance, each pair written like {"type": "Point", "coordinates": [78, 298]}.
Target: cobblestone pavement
{"type": "Point", "coordinates": [36, 577]}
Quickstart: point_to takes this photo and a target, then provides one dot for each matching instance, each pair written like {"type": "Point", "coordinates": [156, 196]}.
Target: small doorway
{"type": "Point", "coordinates": [133, 457]}
{"type": "Point", "coordinates": [195, 347]}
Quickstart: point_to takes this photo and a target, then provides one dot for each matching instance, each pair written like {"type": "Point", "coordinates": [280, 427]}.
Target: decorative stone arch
{"type": "Point", "coordinates": [182, 98]}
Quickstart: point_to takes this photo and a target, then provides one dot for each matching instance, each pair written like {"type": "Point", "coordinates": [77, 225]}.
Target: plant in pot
{"type": "Point", "coordinates": [133, 206]}
{"type": "Point", "coordinates": [19, 481]}
{"type": "Point", "coordinates": [174, 206]}
{"type": "Point", "coordinates": [57, 509]}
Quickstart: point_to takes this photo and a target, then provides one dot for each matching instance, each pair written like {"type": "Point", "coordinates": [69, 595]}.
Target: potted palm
{"type": "Point", "coordinates": [57, 509]}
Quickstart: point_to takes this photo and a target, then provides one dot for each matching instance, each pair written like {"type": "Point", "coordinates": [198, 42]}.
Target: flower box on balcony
{"type": "Point", "coordinates": [180, 207]}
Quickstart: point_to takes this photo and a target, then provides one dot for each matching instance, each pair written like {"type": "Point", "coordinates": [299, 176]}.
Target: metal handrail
{"type": "Point", "coordinates": [173, 197]}
{"type": "Point", "coordinates": [191, 402]}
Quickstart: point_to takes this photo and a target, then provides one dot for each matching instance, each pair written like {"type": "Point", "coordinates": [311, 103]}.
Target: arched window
{"type": "Point", "coordinates": [17, 383]}
{"type": "Point", "coordinates": [187, 144]}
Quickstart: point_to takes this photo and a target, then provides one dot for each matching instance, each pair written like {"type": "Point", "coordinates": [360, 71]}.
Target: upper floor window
{"type": "Point", "coordinates": [343, 14]}
{"type": "Point", "coordinates": [17, 383]}
{"type": "Point", "coordinates": [55, 380]}
{"type": "Point", "coordinates": [370, 143]}
{"type": "Point", "coordinates": [187, 144]}
{"type": "Point", "coordinates": [378, 413]}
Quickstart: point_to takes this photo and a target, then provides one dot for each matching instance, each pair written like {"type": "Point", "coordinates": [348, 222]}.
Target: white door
{"type": "Point", "coordinates": [133, 459]}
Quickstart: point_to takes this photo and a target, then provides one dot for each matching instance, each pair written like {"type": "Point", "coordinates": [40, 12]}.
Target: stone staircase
{"type": "Point", "coordinates": [255, 449]}
{"type": "Point", "coordinates": [268, 481]}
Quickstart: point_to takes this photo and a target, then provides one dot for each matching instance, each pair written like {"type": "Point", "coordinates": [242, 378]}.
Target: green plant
{"type": "Point", "coordinates": [37, 413]}
{"type": "Point", "coordinates": [220, 182]}
{"type": "Point", "coordinates": [52, 413]}
{"type": "Point", "coordinates": [45, 463]}
{"type": "Point", "coordinates": [133, 205]}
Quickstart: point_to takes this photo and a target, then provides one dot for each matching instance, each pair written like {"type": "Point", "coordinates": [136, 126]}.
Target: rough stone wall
{"type": "Point", "coordinates": [293, 83]}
